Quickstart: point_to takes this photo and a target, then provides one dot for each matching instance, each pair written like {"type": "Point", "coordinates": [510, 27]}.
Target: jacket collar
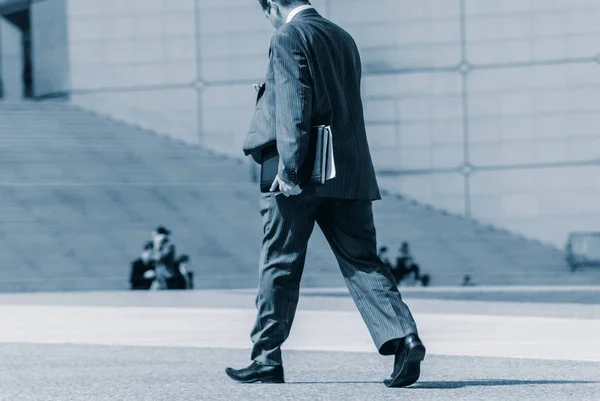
{"type": "Point", "coordinates": [308, 12]}
{"type": "Point", "coordinates": [297, 10]}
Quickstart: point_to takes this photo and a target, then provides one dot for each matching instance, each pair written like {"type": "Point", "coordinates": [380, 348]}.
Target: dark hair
{"type": "Point", "coordinates": [285, 3]}
{"type": "Point", "coordinates": [162, 230]}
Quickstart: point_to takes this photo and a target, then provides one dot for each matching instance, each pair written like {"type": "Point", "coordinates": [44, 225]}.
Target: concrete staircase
{"type": "Point", "coordinates": [79, 195]}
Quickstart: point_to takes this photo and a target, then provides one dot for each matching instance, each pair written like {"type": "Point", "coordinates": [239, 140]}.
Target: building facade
{"type": "Point", "coordinates": [484, 108]}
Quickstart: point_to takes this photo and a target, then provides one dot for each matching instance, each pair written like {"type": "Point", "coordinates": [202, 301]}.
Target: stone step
{"type": "Point", "coordinates": [79, 195]}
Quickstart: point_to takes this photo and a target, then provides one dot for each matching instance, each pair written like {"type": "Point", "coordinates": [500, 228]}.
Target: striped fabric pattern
{"type": "Point", "coordinates": [314, 78]}
{"type": "Point", "coordinates": [348, 226]}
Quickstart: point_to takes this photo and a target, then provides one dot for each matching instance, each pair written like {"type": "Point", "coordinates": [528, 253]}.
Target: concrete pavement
{"type": "Point", "coordinates": [175, 346]}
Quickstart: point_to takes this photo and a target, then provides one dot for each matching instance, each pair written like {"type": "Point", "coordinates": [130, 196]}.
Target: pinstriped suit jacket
{"type": "Point", "coordinates": [314, 78]}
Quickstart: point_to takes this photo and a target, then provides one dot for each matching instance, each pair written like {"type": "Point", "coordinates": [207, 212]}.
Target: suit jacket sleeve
{"type": "Point", "coordinates": [293, 103]}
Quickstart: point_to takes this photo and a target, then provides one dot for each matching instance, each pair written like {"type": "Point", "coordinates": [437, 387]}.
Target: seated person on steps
{"type": "Point", "coordinates": [183, 278]}
{"type": "Point", "coordinates": [142, 270]}
{"type": "Point", "coordinates": [406, 265]}
{"type": "Point", "coordinates": [158, 268]}
{"type": "Point", "coordinates": [383, 255]}
{"type": "Point", "coordinates": [163, 256]}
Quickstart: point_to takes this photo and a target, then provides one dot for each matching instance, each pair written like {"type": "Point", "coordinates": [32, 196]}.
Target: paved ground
{"type": "Point", "coordinates": [76, 372]}
{"type": "Point", "coordinates": [539, 294]}
{"type": "Point", "coordinates": [175, 346]}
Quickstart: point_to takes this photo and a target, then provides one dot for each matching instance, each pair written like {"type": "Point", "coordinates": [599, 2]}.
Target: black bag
{"type": "Point", "coordinates": [314, 168]}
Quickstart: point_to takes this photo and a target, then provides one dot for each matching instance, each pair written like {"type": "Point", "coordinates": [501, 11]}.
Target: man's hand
{"type": "Point", "coordinates": [285, 188]}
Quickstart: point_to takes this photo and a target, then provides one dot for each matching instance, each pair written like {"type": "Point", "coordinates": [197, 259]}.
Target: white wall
{"type": "Point", "coordinates": [136, 61]}
{"type": "Point", "coordinates": [481, 107]}
{"type": "Point", "coordinates": [512, 137]}
{"type": "Point", "coordinates": [234, 47]}
{"type": "Point", "coordinates": [49, 49]}
{"type": "Point", "coordinates": [545, 113]}
{"type": "Point", "coordinates": [11, 60]}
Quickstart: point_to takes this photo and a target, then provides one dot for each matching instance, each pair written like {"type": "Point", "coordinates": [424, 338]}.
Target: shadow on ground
{"type": "Point", "coordinates": [491, 382]}
{"type": "Point", "coordinates": [458, 384]}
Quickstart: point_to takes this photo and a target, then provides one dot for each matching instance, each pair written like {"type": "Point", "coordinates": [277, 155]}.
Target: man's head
{"type": "Point", "coordinates": [404, 248]}
{"type": "Point", "coordinates": [277, 11]}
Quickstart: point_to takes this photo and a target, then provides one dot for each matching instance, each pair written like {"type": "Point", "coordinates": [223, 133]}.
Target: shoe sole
{"type": "Point", "coordinates": [271, 380]}
{"type": "Point", "coordinates": [266, 380]}
{"type": "Point", "coordinates": [411, 371]}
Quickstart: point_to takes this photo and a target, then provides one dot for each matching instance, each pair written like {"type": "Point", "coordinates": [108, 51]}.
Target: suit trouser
{"type": "Point", "coordinates": [348, 227]}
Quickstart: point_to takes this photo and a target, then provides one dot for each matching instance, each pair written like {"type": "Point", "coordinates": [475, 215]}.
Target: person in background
{"type": "Point", "coordinates": [383, 255]}
{"type": "Point", "coordinates": [405, 265]}
{"type": "Point", "coordinates": [182, 278]}
{"type": "Point", "coordinates": [185, 273]}
{"type": "Point", "coordinates": [142, 270]}
{"type": "Point", "coordinates": [467, 281]}
{"type": "Point", "coordinates": [163, 257]}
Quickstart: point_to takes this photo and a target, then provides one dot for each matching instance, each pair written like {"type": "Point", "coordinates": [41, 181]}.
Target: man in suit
{"type": "Point", "coordinates": [313, 78]}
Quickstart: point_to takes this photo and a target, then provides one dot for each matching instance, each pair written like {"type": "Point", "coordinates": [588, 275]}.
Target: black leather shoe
{"type": "Point", "coordinates": [257, 372]}
{"type": "Point", "coordinates": [407, 362]}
